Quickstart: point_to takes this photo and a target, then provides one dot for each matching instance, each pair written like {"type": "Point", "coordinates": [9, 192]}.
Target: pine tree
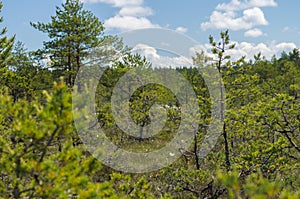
{"type": "Point", "coordinates": [73, 32]}
{"type": "Point", "coordinates": [6, 44]}
{"type": "Point", "coordinates": [219, 49]}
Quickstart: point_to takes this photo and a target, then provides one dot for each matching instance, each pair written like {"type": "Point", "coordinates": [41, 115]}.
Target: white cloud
{"type": "Point", "coordinates": [198, 48]}
{"type": "Point", "coordinates": [241, 49]}
{"type": "Point", "coordinates": [228, 20]}
{"type": "Point", "coordinates": [236, 5]}
{"type": "Point", "coordinates": [181, 29]}
{"type": "Point", "coordinates": [125, 23]}
{"type": "Point", "coordinates": [249, 49]}
{"type": "Point", "coordinates": [285, 46]}
{"type": "Point", "coordinates": [233, 5]}
{"type": "Point", "coordinates": [159, 61]}
{"type": "Point", "coordinates": [254, 33]}
{"type": "Point", "coordinates": [136, 11]}
{"type": "Point", "coordinates": [132, 15]}
{"type": "Point", "coordinates": [227, 16]}
{"type": "Point", "coordinates": [117, 3]}
{"type": "Point", "coordinates": [146, 51]}
{"type": "Point", "coordinates": [261, 3]}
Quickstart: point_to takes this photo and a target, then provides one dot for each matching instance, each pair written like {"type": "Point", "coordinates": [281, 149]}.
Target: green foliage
{"type": "Point", "coordinates": [41, 155]}
{"type": "Point", "coordinates": [73, 33]}
{"type": "Point", "coordinates": [254, 186]}
{"type": "Point", "coordinates": [6, 44]}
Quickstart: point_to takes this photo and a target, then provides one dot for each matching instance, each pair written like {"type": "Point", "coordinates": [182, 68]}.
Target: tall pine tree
{"type": "Point", "coordinates": [6, 44]}
{"type": "Point", "coordinates": [73, 32]}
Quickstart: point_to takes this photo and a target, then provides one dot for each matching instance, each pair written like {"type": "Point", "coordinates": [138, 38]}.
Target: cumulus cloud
{"type": "Point", "coordinates": [254, 33]}
{"type": "Point", "coordinates": [236, 5]}
{"type": "Point", "coordinates": [135, 11]}
{"type": "Point", "coordinates": [228, 20]}
{"type": "Point", "coordinates": [285, 46]}
{"type": "Point", "coordinates": [241, 49]}
{"type": "Point", "coordinates": [250, 49]}
{"type": "Point", "coordinates": [145, 50]}
{"type": "Point", "coordinates": [267, 50]}
{"type": "Point", "coordinates": [239, 15]}
{"type": "Point", "coordinates": [117, 3]}
{"type": "Point", "coordinates": [125, 23]}
{"type": "Point", "coordinates": [161, 61]}
{"type": "Point", "coordinates": [181, 29]}
{"type": "Point", "coordinates": [132, 15]}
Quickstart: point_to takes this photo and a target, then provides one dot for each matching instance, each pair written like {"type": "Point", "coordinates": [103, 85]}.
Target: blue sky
{"type": "Point", "coordinates": [269, 26]}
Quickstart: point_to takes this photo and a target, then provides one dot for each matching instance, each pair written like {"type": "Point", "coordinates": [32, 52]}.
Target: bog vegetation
{"type": "Point", "coordinates": [42, 156]}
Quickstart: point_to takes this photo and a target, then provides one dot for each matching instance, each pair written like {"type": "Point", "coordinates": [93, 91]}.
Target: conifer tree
{"type": "Point", "coordinates": [6, 44]}
{"type": "Point", "coordinates": [73, 33]}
